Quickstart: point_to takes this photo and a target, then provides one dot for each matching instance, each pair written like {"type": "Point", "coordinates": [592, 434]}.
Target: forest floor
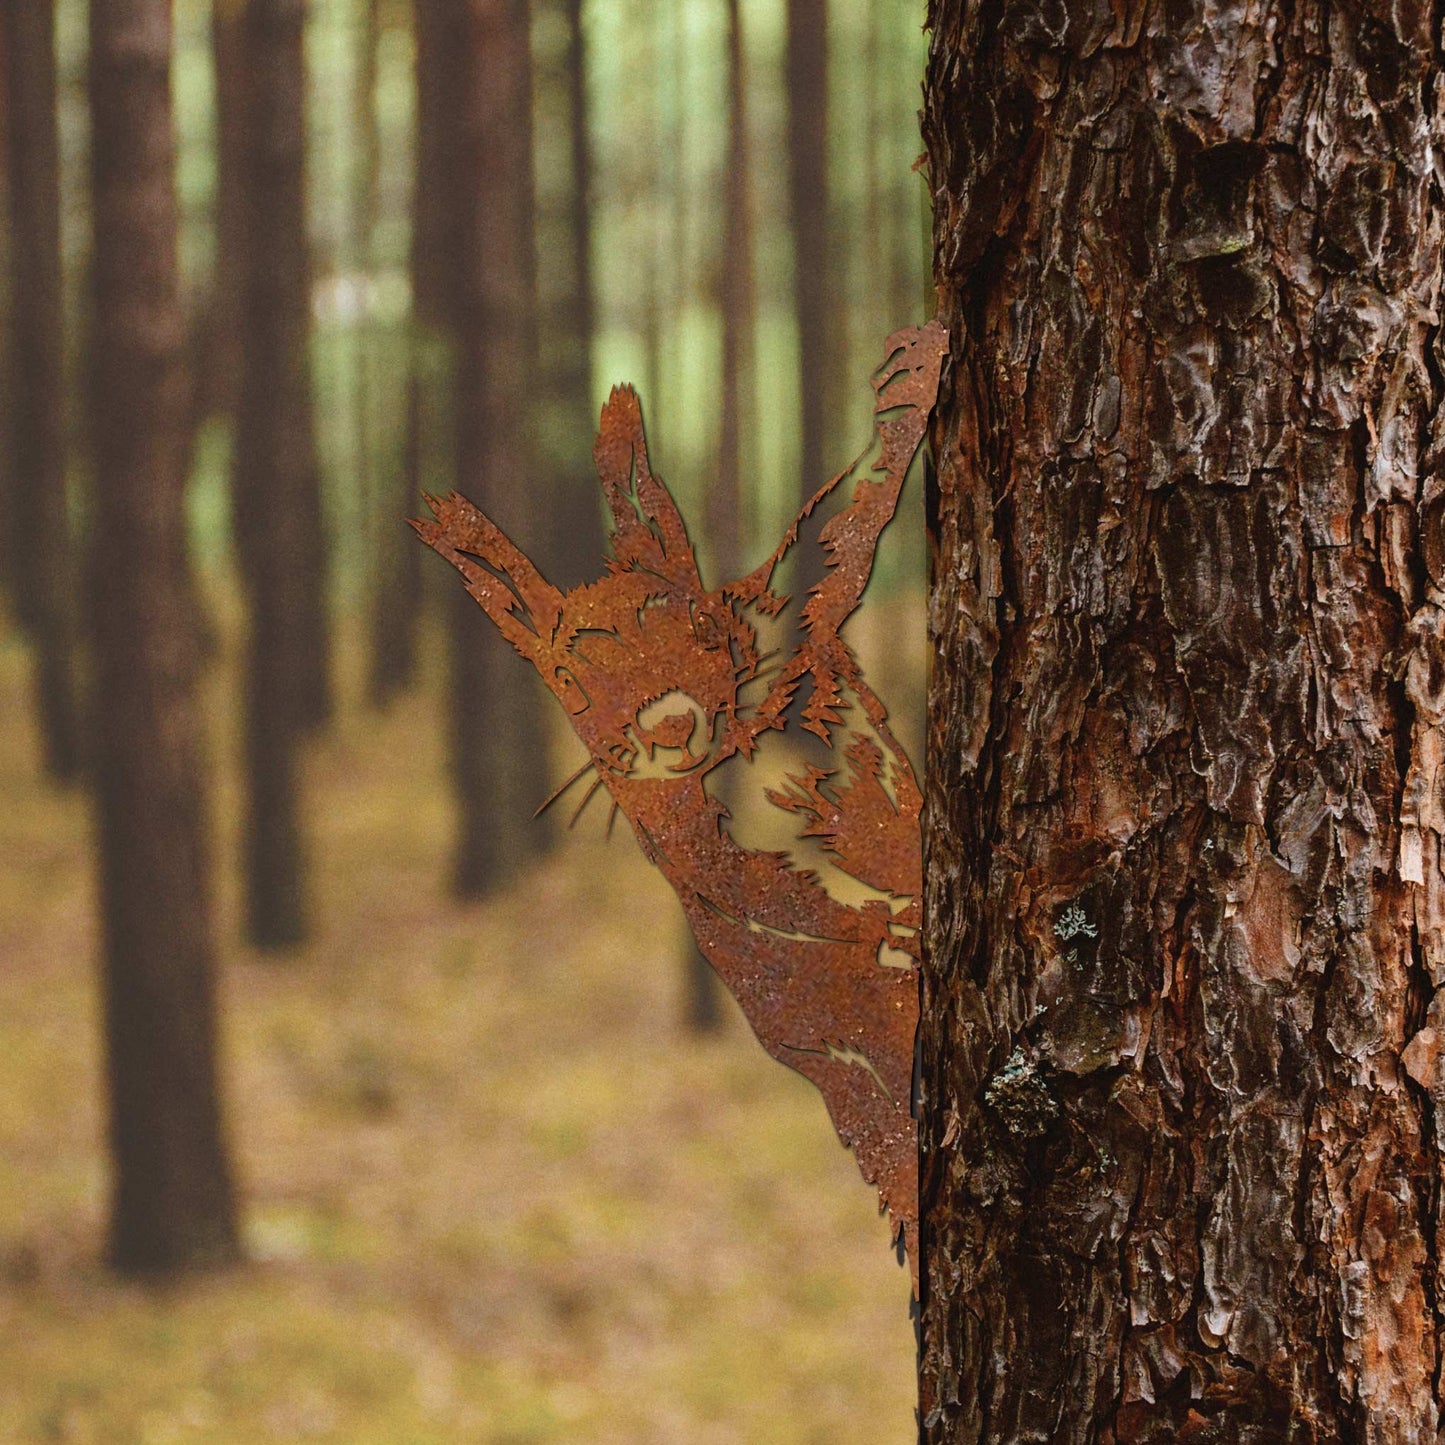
{"type": "Point", "coordinates": [493, 1191]}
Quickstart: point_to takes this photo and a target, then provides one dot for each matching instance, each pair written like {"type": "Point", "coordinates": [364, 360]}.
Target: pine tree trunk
{"type": "Point", "coordinates": [9, 530]}
{"type": "Point", "coordinates": [280, 537]}
{"type": "Point", "coordinates": [907, 278]}
{"type": "Point", "coordinates": [726, 508]}
{"type": "Point", "coordinates": [396, 602]}
{"type": "Point", "coordinates": [217, 388]}
{"type": "Point", "coordinates": [439, 36]}
{"type": "Point", "coordinates": [725, 500]}
{"type": "Point", "coordinates": [276, 428]}
{"type": "Point", "coordinates": [44, 583]}
{"type": "Point", "coordinates": [172, 1201]}
{"type": "Point", "coordinates": [1182, 1033]}
{"type": "Point", "coordinates": [499, 728]}
{"type": "Point", "coordinates": [364, 181]}
{"type": "Point", "coordinates": [813, 301]}
{"type": "Point", "coordinates": [579, 542]}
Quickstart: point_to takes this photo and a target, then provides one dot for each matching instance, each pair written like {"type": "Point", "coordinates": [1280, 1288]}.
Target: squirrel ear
{"type": "Point", "coordinates": [514, 594]}
{"type": "Point", "coordinates": [648, 528]}
{"type": "Point", "coordinates": [905, 388]}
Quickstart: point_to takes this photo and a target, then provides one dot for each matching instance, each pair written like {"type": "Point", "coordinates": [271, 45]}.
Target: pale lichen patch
{"type": "Point", "coordinates": [1021, 1098]}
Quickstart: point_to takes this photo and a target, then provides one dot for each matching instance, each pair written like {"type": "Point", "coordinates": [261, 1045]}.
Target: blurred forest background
{"type": "Point", "coordinates": [339, 1100]}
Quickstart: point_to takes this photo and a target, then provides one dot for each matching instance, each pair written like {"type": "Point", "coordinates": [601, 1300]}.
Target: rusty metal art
{"type": "Point", "coordinates": [654, 670]}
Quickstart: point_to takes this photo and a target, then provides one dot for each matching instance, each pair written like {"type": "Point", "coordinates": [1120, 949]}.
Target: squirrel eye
{"type": "Point", "coordinates": [571, 692]}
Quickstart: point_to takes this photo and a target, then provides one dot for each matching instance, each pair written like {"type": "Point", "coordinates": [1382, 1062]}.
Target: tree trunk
{"type": "Point", "coordinates": [280, 536]}
{"type": "Point", "coordinates": [725, 499]}
{"type": "Point", "coordinates": [364, 182]}
{"type": "Point", "coordinates": [499, 729]}
{"type": "Point", "coordinates": [726, 507]}
{"type": "Point", "coordinates": [9, 529]}
{"type": "Point", "coordinates": [397, 595]}
{"type": "Point", "coordinates": [44, 584]}
{"type": "Point", "coordinates": [439, 75]}
{"type": "Point", "coordinates": [647, 177]}
{"type": "Point", "coordinates": [276, 428]}
{"type": "Point", "coordinates": [442, 62]}
{"type": "Point", "coordinates": [1181, 1044]}
{"type": "Point", "coordinates": [907, 275]}
{"type": "Point", "coordinates": [579, 543]}
{"type": "Point", "coordinates": [218, 385]}
{"type": "Point", "coordinates": [813, 300]}
{"type": "Point", "coordinates": [172, 1202]}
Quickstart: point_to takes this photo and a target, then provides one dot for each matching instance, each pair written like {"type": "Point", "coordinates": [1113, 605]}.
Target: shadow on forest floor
{"type": "Point", "coordinates": [492, 1192]}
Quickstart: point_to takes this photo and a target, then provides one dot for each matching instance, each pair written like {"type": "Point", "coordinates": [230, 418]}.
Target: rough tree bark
{"type": "Point", "coordinates": [275, 486]}
{"type": "Point", "coordinates": [172, 1200]}
{"type": "Point", "coordinates": [1181, 1049]}
{"type": "Point", "coordinates": [499, 730]}
{"type": "Point", "coordinates": [44, 582]}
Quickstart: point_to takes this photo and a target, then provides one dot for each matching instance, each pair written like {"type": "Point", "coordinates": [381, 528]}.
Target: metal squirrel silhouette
{"type": "Point", "coordinates": [651, 666]}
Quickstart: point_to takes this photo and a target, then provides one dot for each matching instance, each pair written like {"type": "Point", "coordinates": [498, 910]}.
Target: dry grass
{"type": "Point", "coordinates": [492, 1192]}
